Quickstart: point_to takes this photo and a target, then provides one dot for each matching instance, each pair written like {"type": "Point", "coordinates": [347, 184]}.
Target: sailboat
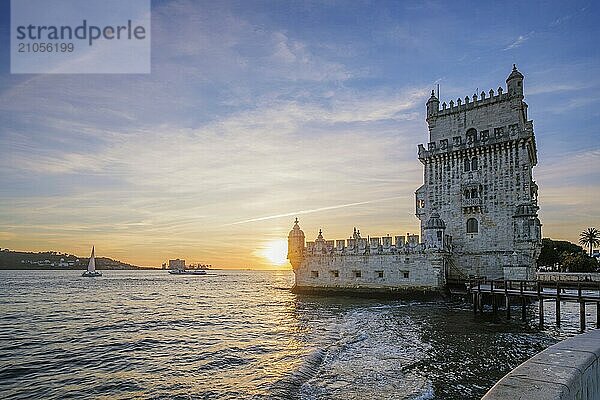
{"type": "Point", "coordinates": [91, 270]}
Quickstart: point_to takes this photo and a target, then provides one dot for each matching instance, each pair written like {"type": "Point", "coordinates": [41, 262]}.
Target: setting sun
{"type": "Point", "coordinates": [275, 252]}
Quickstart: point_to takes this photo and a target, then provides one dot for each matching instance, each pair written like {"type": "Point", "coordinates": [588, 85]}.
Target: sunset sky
{"type": "Point", "coordinates": [257, 112]}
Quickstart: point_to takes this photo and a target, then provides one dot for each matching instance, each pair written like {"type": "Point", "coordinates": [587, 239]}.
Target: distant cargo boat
{"type": "Point", "coordinates": [91, 270]}
{"type": "Point", "coordinates": [187, 272]}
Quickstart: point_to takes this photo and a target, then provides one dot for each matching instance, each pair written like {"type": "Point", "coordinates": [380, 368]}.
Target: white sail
{"type": "Point", "coordinates": [92, 263]}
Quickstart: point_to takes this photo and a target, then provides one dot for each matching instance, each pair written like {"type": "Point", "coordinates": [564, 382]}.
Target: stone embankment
{"type": "Point", "coordinates": [568, 277]}
{"type": "Point", "coordinates": [568, 370]}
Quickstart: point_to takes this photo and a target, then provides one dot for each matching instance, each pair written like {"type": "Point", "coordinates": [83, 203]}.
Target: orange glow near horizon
{"type": "Point", "coordinates": [275, 252]}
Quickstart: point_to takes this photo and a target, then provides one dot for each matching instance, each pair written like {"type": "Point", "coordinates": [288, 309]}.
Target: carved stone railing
{"type": "Point", "coordinates": [476, 202]}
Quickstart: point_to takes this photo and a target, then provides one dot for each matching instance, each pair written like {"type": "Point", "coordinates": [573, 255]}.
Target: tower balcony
{"type": "Point", "coordinates": [476, 202]}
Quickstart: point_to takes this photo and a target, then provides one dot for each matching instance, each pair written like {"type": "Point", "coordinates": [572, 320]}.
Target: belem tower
{"type": "Point", "coordinates": [477, 206]}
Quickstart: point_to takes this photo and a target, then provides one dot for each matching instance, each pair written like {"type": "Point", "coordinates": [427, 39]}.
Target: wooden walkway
{"type": "Point", "coordinates": [504, 293]}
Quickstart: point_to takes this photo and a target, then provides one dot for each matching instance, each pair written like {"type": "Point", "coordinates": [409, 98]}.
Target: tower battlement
{"type": "Point", "coordinates": [481, 100]}
{"type": "Point", "coordinates": [480, 118]}
{"type": "Point", "coordinates": [357, 245]}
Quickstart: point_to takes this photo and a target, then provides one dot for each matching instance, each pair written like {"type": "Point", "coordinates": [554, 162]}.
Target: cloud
{"type": "Point", "coordinates": [148, 166]}
{"type": "Point", "coordinates": [314, 210]}
{"type": "Point", "coordinates": [557, 88]}
{"type": "Point", "coordinates": [175, 185]}
{"type": "Point", "coordinates": [566, 17]}
{"type": "Point", "coordinates": [519, 41]}
{"type": "Point", "coordinates": [565, 169]}
{"type": "Point", "coordinates": [568, 194]}
{"type": "Point", "coordinates": [226, 45]}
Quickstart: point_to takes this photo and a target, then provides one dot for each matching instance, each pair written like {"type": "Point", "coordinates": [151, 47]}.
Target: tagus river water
{"type": "Point", "coordinates": [242, 335]}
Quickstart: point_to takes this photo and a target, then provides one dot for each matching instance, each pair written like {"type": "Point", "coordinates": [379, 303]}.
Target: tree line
{"type": "Point", "coordinates": [565, 256]}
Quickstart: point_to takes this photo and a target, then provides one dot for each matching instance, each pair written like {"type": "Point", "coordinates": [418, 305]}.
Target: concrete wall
{"type": "Point", "coordinates": [568, 370]}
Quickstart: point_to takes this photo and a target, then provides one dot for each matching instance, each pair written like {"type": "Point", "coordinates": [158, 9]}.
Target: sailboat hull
{"type": "Point", "coordinates": [91, 274]}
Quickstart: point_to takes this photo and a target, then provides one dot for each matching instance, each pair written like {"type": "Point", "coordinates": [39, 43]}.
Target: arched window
{"type": "Point", "coordinates": [474, 164]}
{"type": "Point", "coordinates": [472, 225]}
{"type": "Point", "coordinates": [474, 194]}
{"type": "Point", "coordinates": [467, 194]}
{"type": "Point", "coordinates": [470, 164]}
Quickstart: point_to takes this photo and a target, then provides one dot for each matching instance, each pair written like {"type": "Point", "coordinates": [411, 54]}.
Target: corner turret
{"type": "Point", "coordinates": [527, 226]}
{"type": "Point", "coordinates": [514, 83]}
{"type": "Point", "coordinates": [433, 105]}
{"type": "Point", "coordinates": [434, 231]}
{"type": "Point", "coordinates": [295, 245]}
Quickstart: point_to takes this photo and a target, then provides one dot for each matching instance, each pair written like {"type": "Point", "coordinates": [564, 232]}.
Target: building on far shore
{"type": "Point", "coordinates": [477, 206]}
{"type": "Point", "coordinates": [177, 264]}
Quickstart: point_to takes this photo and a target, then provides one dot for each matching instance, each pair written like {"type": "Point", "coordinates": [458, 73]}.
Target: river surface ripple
{"type": "Point", "coordinates": [243, 335]}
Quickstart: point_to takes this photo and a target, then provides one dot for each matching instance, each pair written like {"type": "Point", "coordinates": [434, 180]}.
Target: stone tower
{"type": "Point", "coordinates": [478, 179]}
{"type": "Point", "coordinates": [296, 245]}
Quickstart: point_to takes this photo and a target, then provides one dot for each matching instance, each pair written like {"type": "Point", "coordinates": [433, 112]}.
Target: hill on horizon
{"type": "Point", "coordinates": [55, 260]}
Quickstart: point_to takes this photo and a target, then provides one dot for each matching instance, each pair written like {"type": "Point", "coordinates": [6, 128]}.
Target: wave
{"type": "Point", "coordinates": [289, 387]}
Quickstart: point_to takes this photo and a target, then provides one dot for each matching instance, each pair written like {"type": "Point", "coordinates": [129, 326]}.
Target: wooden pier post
{"type": "Point", "coordinates": [528, 293]}
{"type": "Point", "coordinates": [581, 309]}
{"type": "Point", "coordinates": [493, 298]}
{"type": "Point", "coordinates": [506, 300]}
{"type": "Point", "coordinates": [523, 305]}
{"type": "Point", "coordinates": [557, 305]}
{"type": "Point", "coordinates": [541, 304]}
{"type": "Point", "coordinates": [473, 296]}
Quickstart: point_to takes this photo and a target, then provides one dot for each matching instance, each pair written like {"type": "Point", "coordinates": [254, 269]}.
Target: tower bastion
{"type": "Point", "coordinates": [384, 264]}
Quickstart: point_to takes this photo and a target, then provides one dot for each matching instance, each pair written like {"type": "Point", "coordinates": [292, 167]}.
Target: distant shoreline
{"type": "Point", "coordinates": [49, 268]}
{"type": "Point", "coordinates": [42, 268]}
{"type": "Point", "coordinates": [53, 260]}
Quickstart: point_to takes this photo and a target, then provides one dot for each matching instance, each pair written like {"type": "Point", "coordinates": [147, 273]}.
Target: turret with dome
{"type": "Point", "coordinates": [295, 245]}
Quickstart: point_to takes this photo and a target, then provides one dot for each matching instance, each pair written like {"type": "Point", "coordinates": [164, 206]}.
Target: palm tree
{"type": "Point", "coordinates": [590, 238]}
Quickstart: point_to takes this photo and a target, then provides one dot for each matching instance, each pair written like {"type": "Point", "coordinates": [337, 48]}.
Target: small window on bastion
{"type": "Point", "coordinates": [379, 274]}
{"type": "Point", "coordinates": [357, 274]}
{"type": "Point", "coordinates": [472, 225]}
{"type": "Point", "coordinates": [335, 273]}
{"type": "Point", "coordinates": [404, 274]}
{"type": "Point", "coordinates": [314, 274]}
